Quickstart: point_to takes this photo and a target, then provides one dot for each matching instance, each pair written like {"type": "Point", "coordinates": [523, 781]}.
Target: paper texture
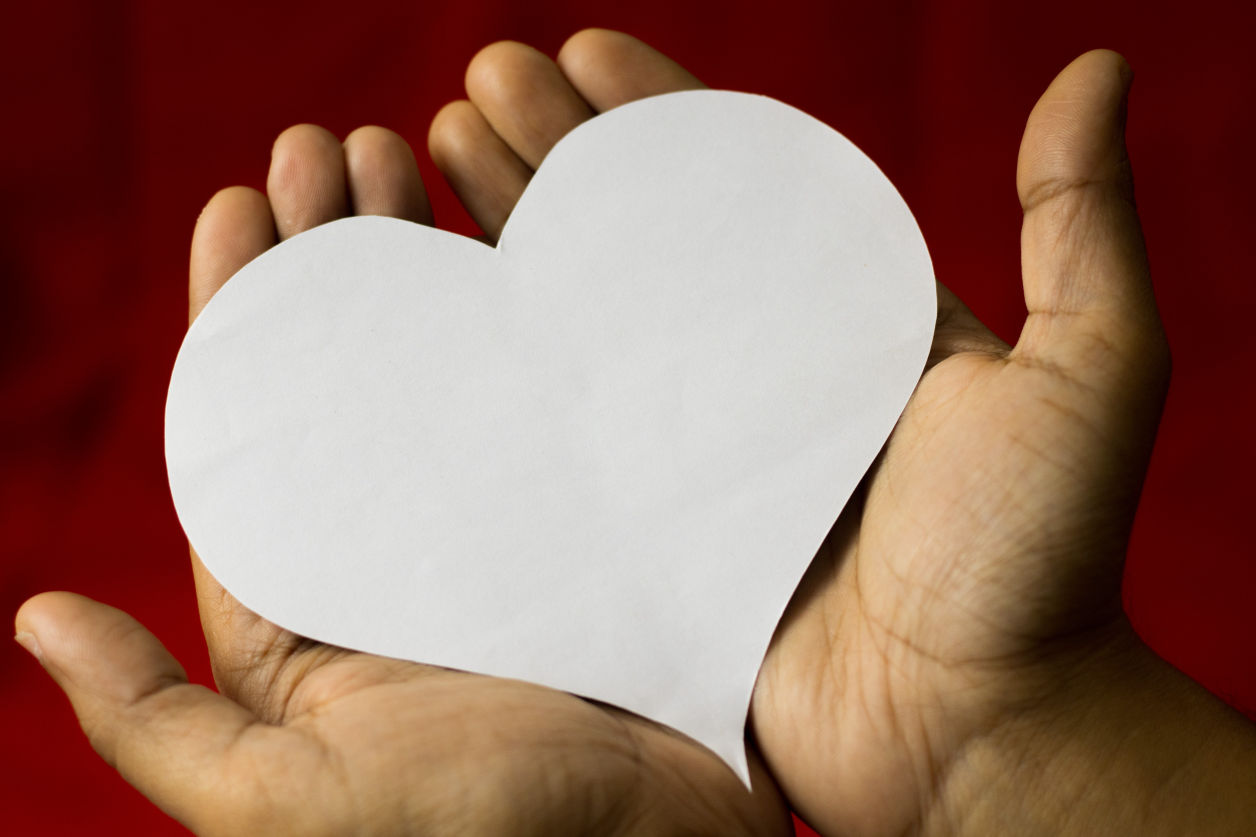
{"type": "Point", "coordinates": [599, 456]}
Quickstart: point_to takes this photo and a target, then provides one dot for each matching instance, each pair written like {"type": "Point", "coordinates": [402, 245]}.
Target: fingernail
{"type": "Point", "coordinates": [28, 640]}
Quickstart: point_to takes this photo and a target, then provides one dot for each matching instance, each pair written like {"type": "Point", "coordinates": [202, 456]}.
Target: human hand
{"type": "Point", "coordinates": [307, 738]}
{"type": "Point", "coordinates": [968, 599]}
{"type": "Point", "coordinates": [969, 594]}
{"type": "Point", "coordinates": [957, 658]}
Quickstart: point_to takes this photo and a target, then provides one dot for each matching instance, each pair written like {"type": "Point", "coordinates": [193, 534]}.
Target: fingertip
{"type": "Point", "coordinates": [383, 177]}
{"type": "Point", "coordinates": [1108, 71]}
{"type": "Point", "coordinates": [496, 72]}
{"type": "Point", "coordinates": [524, 98]}
{"type": "Point", "coordinates": [235, 227]}
{"type": "Point", "coordinates": [86, 639]}
{"type": "Point", "coordinates": [36, 621]}
{"type": "Point", "coordinates": [26, 625]}
{"type": "Point", "coordinates": [376, 134]}
{"type": "Point", "coordinates": [302, 134]}
{"type": "Point", "coordinates": [1076, 131]}
{"type": "Point", "coordinates": [293, 153]}
{"type": "Point", "coordinates": [609, 68]}
{"type": "Point", "coordinates": [579, 53]}
{"type": "Point", "coordinates": [486, 174]}
{"type": "Point", "coordinates": [233, 198]}
{"type": "Point", "coordinates": [306, 181]}
{"type": "Point", "coordinates": [1114, 60]}
{"type": "Point", "coordinates": [41, 614]}
{"type": "Point", "coordinates": [452, 132]}
{"type": "Point", "coordinates": [593, 40]}
{"type": "Point", "coordinates": [1088, 289]}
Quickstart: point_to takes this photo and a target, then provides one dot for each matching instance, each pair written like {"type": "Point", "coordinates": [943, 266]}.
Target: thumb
{"type": "Point", "coordinates": [1092, 315]}
{"type": "Point", "coordinates": [167, 737]}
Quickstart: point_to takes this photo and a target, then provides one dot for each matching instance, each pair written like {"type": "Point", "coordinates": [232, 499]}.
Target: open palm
{"type": "Point", "coordinates": [980, 566]}
{"type": "Point", "coordinates": [313, 739]}
{"type": "Point", "coordinates": [982, 549]}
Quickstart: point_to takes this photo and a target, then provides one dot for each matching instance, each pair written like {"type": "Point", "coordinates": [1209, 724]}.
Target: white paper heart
{"type": "Point", "coordinates": [597, 457]}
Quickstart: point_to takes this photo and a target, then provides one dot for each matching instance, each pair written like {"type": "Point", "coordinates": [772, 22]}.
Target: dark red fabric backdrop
{"type": "Point", "coordinates": [120, 120]}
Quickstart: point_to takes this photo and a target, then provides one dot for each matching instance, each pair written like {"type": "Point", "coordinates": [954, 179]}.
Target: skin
{"type": "Point", "coordinates": [955, 660]}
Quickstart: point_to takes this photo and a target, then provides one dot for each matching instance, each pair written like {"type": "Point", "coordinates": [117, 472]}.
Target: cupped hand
{"type": "Point", "coordinates": [974, 576]}
{"type": "Point", "coordinates": [974, 579]}
{"type": "Point", "coordinates": [972, 587]}
{"type": "Point", "coordinates": [306, 738]}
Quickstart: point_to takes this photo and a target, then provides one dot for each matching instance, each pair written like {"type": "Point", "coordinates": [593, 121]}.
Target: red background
{"type": "Point", "coordinates": [122, 119]}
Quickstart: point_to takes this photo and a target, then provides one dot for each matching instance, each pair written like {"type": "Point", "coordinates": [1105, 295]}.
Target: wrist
{"type": "Point", "coordinates": [1116, 741]}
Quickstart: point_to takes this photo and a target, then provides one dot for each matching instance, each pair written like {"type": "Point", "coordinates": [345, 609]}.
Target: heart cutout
{"type": "Point", "coordinates": [599, 456]}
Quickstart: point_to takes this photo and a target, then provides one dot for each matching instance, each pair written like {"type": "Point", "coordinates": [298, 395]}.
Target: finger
{"type": "Point", "coordinates": [1092, 314]}
{"type": "Point", "coordinates": [235, 227]}
{"type": "Point", "coordinates": [525, 98]}
{"type": "Point", "coordinates": [306, 183]}
{"type": "Point", "coordinates": [383, 177]}
{"type": "Point", "coordinates": [486, 175]}
{"type": "Point", "coordinates": [610, 68]}
{"type": "Point", "coordinates": [166, 737]}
